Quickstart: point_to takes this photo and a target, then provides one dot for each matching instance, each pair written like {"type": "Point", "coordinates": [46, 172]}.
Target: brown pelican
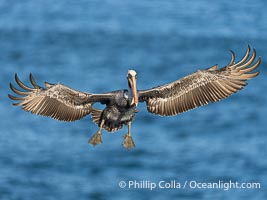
{"type": "Point", "coordinates": [209, 85]}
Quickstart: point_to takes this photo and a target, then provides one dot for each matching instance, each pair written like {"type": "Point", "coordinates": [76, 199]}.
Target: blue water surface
{"type": "Point", "coordinates": [89, 46]}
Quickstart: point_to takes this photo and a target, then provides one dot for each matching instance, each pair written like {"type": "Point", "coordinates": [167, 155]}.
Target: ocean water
{"type": "Point", "coordinates": [89, 46]}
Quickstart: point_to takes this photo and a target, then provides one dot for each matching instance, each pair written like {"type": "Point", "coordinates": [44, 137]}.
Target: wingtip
{"type": "Point", "coordinates": [21, 84]}
{"type": "Point", "coordinates": [10, 85]}
{"type": "Point", "coordinates": [254, 51]}
{"type": "Point", "coordinates": [248, 47]}
{"type": "Point", "coordinates": [35, 85]}
{"type": "Point", "coordinates": [13, 97]}
{"type": "Point", "coordinates": [9, 95]}
{"type": "Point", "coordinates": [31, 76]}
{"type": "Point", "coordinates": [232, 61]}
{"type": "Point", "coordinates": [257, 73]}
{"type": "Point", "coordinates": [17, 78]}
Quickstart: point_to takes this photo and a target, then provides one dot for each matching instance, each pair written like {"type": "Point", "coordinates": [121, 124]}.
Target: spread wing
{"type": "Point", "coordinates": [56, 100]}
{"type": "Point", "coordinates": [200, 88]}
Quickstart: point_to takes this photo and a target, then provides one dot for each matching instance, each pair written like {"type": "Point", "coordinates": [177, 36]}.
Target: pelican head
{"type": "Point", "coordinates": [131, 76]}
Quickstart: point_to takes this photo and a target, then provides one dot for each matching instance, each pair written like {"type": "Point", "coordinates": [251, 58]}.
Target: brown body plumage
{"type": "Point", "coordinates": [210, 85]}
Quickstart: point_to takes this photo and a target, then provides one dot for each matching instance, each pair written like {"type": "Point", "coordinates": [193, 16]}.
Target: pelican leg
{"type": "Point", "coordinates": [128, 142]}
{"type": "Point", "coordinates": [97, 138]}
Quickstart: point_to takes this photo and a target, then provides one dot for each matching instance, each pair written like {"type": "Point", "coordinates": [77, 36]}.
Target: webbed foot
{"type": "Point", "coordinates": [96, 139]}
{"type": "Point", "coordinates": [128, 142]}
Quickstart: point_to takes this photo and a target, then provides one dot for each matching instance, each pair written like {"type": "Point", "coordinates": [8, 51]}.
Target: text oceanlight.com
{"type": "Point", "coordinates": [188, 184]}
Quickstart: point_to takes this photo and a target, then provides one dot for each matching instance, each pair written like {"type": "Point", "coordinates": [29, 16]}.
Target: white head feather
{"type": "Point", "coordinates": [132, 72]}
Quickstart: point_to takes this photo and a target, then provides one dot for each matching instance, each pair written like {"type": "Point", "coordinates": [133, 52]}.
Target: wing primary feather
{"type": "Point", "coordinates": [15, 90]}
{"type": "Point", "coordinates": [232, 61]}
{"type": "Point", "coordinates": [33, 82]}
{"type": "Point", "coordinates": [21, 84]}
{"type": "Point", "coordinates": [251, 68]}
{"type": "Point", "coordinates": [244, 58]}
{"type": "Point", "coordinates": [249, 61]}
{"type": "Point", "coordinates": [15, 98]}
